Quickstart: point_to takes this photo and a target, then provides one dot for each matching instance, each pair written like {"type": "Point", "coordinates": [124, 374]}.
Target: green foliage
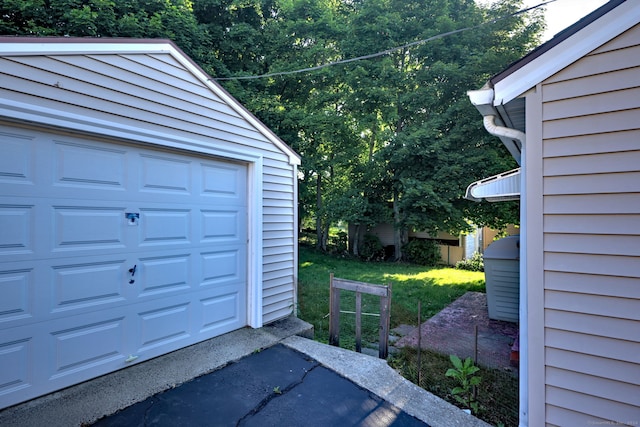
{"type": "Point", "coordinates": [464, 373]}
{"type": "Point", "coordinates": [172, 19]}
{"type": "Point", "coordinates": [371, 248]}
{"type": "Point", "coordinates": [338, 242]}
{"type": "Point", "coordinates": [475, 263]}
{"type": "Point", "coordinates": [497, 393]}
{"type": "Point", "coordinates": [423, 252]}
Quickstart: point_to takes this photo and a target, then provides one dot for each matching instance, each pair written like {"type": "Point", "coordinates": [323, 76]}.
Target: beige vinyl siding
{"type": "Point", "coordinates": [591, 236]}
{"type": "Point", "coordinates": [156, 94]}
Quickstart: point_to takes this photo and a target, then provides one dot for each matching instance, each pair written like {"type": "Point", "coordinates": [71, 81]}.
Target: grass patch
{"type": "Point", "coordinates": [435, 287]}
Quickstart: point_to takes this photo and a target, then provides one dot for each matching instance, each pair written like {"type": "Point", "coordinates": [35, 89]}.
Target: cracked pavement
{"type": "Point", "coordinates": [274, 387]}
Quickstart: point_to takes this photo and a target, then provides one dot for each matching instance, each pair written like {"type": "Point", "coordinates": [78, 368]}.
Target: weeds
{"type": "Point", "coordinates": [464, 373]}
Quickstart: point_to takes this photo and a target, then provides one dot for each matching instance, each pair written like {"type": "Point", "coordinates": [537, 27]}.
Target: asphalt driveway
{"type": "Point", "coordinates": [266, 376]}
{"type": "Point", "coordinates": [274, 387]}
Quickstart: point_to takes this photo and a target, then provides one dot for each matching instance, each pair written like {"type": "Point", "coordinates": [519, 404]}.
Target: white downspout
{"type": "Point", "coordinates": [500, 131]}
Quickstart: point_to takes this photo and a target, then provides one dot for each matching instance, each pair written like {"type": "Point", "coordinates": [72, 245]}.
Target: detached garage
{"type": "Point", "coordinates": [142, 210]}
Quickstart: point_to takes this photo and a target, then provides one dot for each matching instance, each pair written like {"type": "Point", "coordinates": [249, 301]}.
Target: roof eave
{"type": "Point", "coordinates": [566, 47]}
{"type": "Point", "coordinates": [483, 101]}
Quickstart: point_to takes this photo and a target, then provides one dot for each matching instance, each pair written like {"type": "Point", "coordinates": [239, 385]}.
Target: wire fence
{"type": "Point", "coordinates": [462, 329]}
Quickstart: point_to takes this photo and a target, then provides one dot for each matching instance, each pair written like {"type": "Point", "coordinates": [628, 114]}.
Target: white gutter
{"type": "Point", "coordinates": [504, 132]}
{"type": "Point", "coordinates": [483, 100]}
{"type": "Point", "coordinates": [501, 131]}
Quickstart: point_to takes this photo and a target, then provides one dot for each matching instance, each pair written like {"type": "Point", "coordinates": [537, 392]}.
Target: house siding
{"type": "Point", "coordinates": [156, 94]}
{"type": "Point", "coordinates": [591, 237]}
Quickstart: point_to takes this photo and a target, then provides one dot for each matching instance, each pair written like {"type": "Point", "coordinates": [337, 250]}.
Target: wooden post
{"type": "Point", "coordinates": [334, 314]}
{"type": "Point", "coordinates": [419, 343]}
{"type": "Point", "coordinates": [358, 322]}
{"type": "Point", "coordinates": [385, 315]}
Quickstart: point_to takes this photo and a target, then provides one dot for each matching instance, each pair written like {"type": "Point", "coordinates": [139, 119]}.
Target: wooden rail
{"type": "Point", "coordinates": [383, 291]}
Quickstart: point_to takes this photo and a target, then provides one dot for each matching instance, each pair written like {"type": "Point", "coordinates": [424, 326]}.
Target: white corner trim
{"type": "Point", "coordinates": [568, 51]}
{"type": "Point", "coordinates": [254, 253]}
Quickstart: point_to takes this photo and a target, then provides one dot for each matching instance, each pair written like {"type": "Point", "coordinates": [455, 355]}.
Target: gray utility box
{"type": "Point", "coordinates": [502, 277]}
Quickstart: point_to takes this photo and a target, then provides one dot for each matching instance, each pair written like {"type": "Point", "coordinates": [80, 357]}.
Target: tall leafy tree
{"type": "Point", "coordinates": [414, 99]}
{"type": "Point", "coordinates": [172, 19]}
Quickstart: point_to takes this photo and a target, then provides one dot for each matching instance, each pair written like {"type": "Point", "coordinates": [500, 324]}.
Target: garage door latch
{"type": "Point", "coordinates": [132, 217]}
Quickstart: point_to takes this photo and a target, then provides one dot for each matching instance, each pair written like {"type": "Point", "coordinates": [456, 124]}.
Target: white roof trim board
{"type": "Point", "coordinates": [583, 41]}
{"type": "Point", "coordinates": [38, 46]}
{"type": "Point", "coordinates": [496, 96]}
{"type": "Point", "coordinates": [498, 188]}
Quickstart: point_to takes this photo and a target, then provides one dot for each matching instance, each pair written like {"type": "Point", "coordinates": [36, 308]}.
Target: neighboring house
{"type": "Point", "coordinates": [142, 210]}
{"type": "Point", "coordinates": [577, 97]}
{"type": "Point", "coordinates": [452, 248]}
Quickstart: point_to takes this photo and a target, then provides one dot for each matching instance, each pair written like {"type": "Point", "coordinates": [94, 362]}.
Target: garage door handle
{"type": "Point", "coordinates": [131, 358]}
{"type": "Point", "coordinates": [133, 270]}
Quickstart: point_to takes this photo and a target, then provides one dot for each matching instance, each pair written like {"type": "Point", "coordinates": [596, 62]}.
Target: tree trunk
{"type": "Point", "coordinates": [319, 230]}
{"type": "Point", "coordinates": [397, 231]}
{"type": "Point", "coordinates": [355, 249]}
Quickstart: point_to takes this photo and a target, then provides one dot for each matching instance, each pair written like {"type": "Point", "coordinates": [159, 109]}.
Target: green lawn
{"type": "Point", "coordinates": [435, 287]}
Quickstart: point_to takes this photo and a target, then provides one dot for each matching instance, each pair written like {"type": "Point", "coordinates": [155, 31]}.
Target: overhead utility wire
{"type": "Point", "coordinates": [384, 52]}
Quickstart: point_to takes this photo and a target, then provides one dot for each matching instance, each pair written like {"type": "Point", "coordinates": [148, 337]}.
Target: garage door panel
{"type": "Point", "coordinates": [90, 166]}
{"type": "Point", "coordinates": [82, 228]}
{"type": "Point", "coordinates": [223, 181]}
{"type": "Point", "coordinates": [17, 352]}
{"type": "Point", "coordinates": [164, 226]}
{"type": "Point", "coordinates": [90, 285]}
{"type": "Point", "coordinates": [17, 160]}
{"type": "Point", "coordinates": [221, 312]}
{"type": "Point", "coordinates": [17, 287]}
{"type": "Point", "coordinates": [17, 222]}
{"type": "Point", "coordinates": [165, 175]}
{"type": "Point", "coordinates": [164, 326]}
{"type": "Point", "coordinates": [164, 274]}
{"type": "Point", "coordinates": [222, 267]}
{"type": "Point", "coordinates": [222, 225]}
{"type": "Point", "coordinates": [85, 344]}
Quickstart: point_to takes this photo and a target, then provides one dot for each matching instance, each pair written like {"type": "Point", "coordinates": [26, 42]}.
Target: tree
{"type": "Point", "coordinates": [172, 19]}
{"type": "Point", "coordinates": [433, 147]}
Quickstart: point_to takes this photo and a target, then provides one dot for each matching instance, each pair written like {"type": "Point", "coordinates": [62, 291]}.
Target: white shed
{"type": "Point", "coordinates": [142, 210]}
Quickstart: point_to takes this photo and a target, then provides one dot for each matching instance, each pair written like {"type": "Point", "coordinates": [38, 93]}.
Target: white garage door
{"type": "Point", "coordinates": [111, 254]}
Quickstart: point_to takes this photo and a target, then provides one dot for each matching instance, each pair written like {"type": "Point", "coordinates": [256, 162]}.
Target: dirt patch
{"type": "Point", "coordinates": [452, 332]}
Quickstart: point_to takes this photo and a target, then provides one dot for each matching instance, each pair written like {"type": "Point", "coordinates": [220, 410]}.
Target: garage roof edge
{"type": "Point", "coordinates": [15, 46]}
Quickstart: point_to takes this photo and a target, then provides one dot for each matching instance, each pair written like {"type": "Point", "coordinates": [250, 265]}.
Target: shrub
{"type": "Point", "coordinates": [423, 252]}
{"type": "Point", "coordinates": [371, 248]}
{"type": "Point", "coordinates": [475, 263]}
{"type": "Point", "coordinates": [338, 242]}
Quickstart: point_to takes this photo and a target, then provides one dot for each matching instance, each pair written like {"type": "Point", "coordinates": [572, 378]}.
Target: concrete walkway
{"type": "Point", "coordinates": [387, 398]}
